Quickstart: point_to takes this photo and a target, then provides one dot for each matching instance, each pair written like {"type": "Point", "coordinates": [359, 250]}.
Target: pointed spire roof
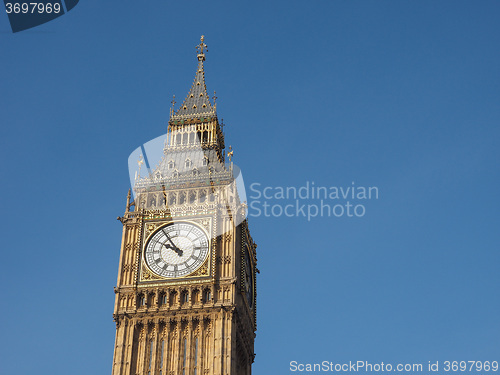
{"type": "Point", "coordinates": [197, 103]}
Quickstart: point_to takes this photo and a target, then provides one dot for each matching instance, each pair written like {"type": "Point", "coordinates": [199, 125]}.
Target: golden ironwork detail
{"type": "Point", "coordinates": [202, 271]}
{"type": "Point", "coordinates": [148, 275]}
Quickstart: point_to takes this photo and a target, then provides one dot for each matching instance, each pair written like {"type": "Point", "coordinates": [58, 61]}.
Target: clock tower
{"type": "Point", "coordinates": [185, 300]}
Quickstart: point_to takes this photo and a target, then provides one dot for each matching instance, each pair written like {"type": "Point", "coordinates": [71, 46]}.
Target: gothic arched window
{"type": "Point", "coordinates": [141, 300]}
{"type": "Point", "coordinates": [195, 296]}
{"type": "Point", "coordinates": [172, 199]}
{"type": "Point", "coordinates": [207, 296]}
{"type": "Point", "coordinates": [202, 196]}
{"type": "Point", "coordinates": [184, 297]}
{"type": "Point", "coordinates": [182, 197]}
{"type": "Point", "coordinates": [173, 297]}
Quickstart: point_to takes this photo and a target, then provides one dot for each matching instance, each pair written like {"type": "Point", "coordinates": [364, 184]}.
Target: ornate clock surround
{"type": "Point", "coordinates": [204, 273]}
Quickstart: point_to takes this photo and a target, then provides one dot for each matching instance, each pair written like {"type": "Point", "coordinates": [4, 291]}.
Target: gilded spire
{"type": "Point", "coordinates": [197, 103]}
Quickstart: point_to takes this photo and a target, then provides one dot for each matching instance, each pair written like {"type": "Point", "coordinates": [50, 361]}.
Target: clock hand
{"type": "Point", "coordinates": [172, 246]}
{"type": "Point", "coordinates": [176, 249]}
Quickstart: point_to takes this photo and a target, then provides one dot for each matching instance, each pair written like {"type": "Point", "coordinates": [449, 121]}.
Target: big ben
{"type": "Point", "coordinates": [185, 300]}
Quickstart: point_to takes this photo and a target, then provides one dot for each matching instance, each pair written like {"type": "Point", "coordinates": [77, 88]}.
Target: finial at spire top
{"type": "Point", "coordinates": [202, 47]}
{"type": "Point", "coordinates": [214, 99]}
{"type": "Point", "coordinates": [173, 106]}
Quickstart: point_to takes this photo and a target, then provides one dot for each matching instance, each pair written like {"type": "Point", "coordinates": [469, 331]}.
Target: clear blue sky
{"type": "Point", "coordinates": [402, 95]}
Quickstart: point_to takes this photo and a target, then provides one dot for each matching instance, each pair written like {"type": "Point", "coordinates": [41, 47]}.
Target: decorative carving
{"type": "Point", "coordinates": [127, 267]}
{"type": "Point", "coordinates": [224, 259]}
{"type": "Point", "coordinates": [142, 334]}
{"type": "Point", "coordinates": [148, 275]}
{"type": "Point", "coordinates": [202, 271]}
{"type": "Point", "coordinates": [205, 223]}
{"type": "Point", "coordinates": [159, 213]}
{"type": "Point", "coordinates": [174, 331]}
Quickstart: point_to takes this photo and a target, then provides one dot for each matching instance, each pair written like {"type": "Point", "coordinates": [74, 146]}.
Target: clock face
{"type": "Point", "coordinates": [248, 279]}
{"type": "Point", "coordinates": [176, 249]}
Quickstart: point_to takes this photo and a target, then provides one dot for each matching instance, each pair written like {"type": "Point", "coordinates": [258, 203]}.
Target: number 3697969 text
{"type": "Point", "coordinates": [25, 8]}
